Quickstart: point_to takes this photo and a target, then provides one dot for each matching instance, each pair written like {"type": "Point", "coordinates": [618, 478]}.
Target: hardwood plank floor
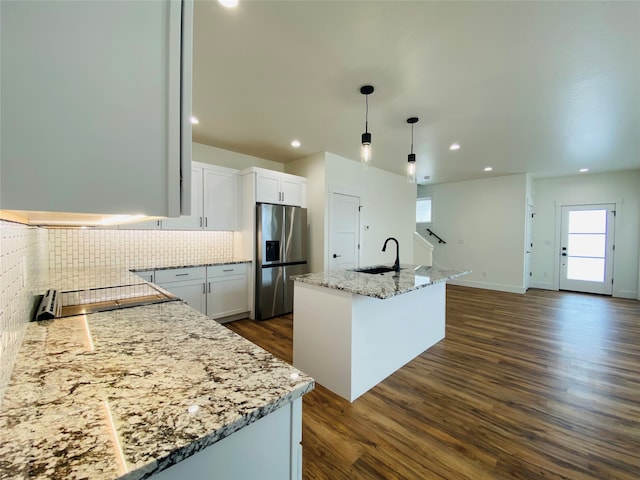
{"type": "Point", "coordinates": [544, 385]}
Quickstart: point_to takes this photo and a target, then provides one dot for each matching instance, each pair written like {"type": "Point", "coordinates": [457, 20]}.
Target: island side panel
{"type": "Point", "coordinates": [322, 336]}
{"type": "Point", "coordinates": [389, 333]}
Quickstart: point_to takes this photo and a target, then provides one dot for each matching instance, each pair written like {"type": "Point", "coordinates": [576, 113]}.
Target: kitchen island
{"type": "Point", "coordinates": [158, 390]}
{"type": "Point", "coordinates": [351, 330]}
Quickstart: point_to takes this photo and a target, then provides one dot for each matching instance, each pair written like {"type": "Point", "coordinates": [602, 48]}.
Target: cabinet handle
{"type": "Point", "coordinates": [228, 270]}
{"type": "Point", "coordinates": [200, 222]}
{"type": "Point", "coordinates": [182, 274]}
{"type": "Point", "coordinates": [206, 222]}
{"type": "Point", "coordinates": [209, 287]}
{"type": "Point", "coordinates": [204, 288]}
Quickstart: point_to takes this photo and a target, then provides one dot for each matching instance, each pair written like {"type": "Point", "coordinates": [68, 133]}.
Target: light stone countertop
{"type": "Point", "coordinates": [163, 379]}
{"type": "Point", "coordinates": [386, 285]}
{"type": "Point", "coordinates": [130, 392]}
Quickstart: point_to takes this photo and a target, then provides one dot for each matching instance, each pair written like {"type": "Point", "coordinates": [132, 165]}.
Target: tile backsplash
{"type": "Point", "coordinates": [23, 251]}
{"type": "Point", "coordinates": [73, 248]}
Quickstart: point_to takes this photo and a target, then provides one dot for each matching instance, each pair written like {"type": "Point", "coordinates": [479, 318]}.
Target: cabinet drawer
{"type": "Point", "coordinates": [225, 270]}
{"type": "Point", "coordinates": [180, 274]}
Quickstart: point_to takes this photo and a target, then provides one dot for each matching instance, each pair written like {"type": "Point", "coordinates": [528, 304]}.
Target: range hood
{"type": "Point", "coordinates": [64, 219]}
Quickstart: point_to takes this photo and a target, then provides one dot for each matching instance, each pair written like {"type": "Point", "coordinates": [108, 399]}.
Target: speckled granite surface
{"type": "Point", "coordinates": [127, 393]}
{"type": "Point", "coordinates": [386, 285]}
{"type": "Point", "coordinates": [222, 262]}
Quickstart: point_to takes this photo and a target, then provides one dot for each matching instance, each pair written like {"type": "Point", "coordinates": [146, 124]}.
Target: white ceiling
{"type": "Point", "coordinates": [525, 87]}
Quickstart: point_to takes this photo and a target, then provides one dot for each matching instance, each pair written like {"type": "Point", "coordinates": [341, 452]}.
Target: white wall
{"type": "Point", "coordinates": [388, 208]}
{"type": "Point", "coordinates": [483, 223]}
{"type": "Point", "coordinates": [313, 168]}
{"type": "Point", "coordinates": [225, 158]}
{"type": "Point", "coordinates": [621, 188]}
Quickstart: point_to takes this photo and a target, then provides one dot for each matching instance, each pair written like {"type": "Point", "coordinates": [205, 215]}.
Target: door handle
{"type": "Point", "coordinates": [564, 254]}
{"type": "Point", "coordinates": [336, 256]}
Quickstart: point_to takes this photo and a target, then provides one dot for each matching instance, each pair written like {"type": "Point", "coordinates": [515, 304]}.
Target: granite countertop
{"type": "Point", "coordinates": [127, 393]}
{"type": "Point", "coordinates": [166, 267]}
{"type": "Point", "coordinates": [386, 285]}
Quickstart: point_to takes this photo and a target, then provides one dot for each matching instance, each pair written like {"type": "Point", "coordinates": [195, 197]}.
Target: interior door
{"type": "Point", "coordinates": [344, 231]}
{"type": "Point", "coordinates": [528, 248]}
{"type": "Point", "coordinates": [586, 250]}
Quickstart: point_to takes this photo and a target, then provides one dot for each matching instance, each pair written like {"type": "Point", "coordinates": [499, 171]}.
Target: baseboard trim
{"type": "Point", "coordinates": [488, 286]}
{"type": "Point", "coordinates": [543, 286]}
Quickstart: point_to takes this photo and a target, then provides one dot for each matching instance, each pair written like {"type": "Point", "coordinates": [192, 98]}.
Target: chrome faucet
{"type": "Point", "coordinates": [396, 266]}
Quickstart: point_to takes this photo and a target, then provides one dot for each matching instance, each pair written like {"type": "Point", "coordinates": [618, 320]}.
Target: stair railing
{"type": "Point", "coordinates": [433, 234]}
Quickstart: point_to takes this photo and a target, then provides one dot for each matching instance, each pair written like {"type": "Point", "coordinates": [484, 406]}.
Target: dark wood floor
{"type": "Point", "coordinates": [538, 386]}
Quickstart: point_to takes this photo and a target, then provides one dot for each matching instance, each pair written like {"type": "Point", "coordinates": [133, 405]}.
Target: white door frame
{"type": "Point", "coordinates": [343, 190]}
{"type": "Point", "coordinates": [618, 206]}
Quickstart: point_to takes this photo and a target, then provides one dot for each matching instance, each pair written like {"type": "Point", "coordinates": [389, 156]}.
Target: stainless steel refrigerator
{"type": "Point", "coordinates": [281, 252]}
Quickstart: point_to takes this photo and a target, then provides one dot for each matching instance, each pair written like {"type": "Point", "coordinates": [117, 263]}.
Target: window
{"type": "Point", "coordinates": [423, 210]}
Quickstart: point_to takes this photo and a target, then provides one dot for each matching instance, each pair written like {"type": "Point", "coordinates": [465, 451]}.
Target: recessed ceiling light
{"type": "Point", "coordinates": [295, 143]}
{"type": "Point", "coordinates": [228, 3]}
{"type": "Point", "coordinates": [454, 146]}
{"type": "Point", "coordinates": [584, 170]}
{"type": "Point", "coordinates": [488, 169]}
{"type": "Point", "coordinates": [195, 121]}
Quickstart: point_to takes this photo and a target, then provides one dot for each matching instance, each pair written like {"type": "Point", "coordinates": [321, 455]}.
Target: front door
{"type": "Point", "coordinates": [344, 231]}
{"type": "Point", "coordinates": [586, 249]}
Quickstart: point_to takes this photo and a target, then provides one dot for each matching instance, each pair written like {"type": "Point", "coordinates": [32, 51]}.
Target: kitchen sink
{"type": "Point", "coordinates": [375, 270]}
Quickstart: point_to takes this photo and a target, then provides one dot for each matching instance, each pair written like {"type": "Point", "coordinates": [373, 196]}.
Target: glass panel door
{"type": "Point", "coordinates": [587, 248]}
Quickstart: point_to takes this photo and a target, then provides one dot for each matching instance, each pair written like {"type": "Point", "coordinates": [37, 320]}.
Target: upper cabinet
{"type": "Point", "coordinates": [96, 106]}
{"type": "Point", "coordinates": [279, 188]}
{"type": "Point", "coordinates": [214, 200]}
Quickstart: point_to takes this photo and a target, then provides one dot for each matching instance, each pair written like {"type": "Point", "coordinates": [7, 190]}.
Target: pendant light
{"type": "Point", "coordinates": [411, 162]}
{"type": "Point", "coordinates": [365, 153]}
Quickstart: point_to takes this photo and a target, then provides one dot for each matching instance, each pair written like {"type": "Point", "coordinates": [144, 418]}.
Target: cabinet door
{"type": "Point", "coordinates": [146, 225]}
{"type": "Point", "coordinates": [268, 188]}
{"type": "Point", "coordinates": [220, 200]}
{"type": "Point", "coordinates": [291, 191]}
{"type": "Point", "coordinates": [227, 296]}
{"type": "Point", "coordinates": [92, 93]}
{"type": "Point", "coordinates": [194, 221]}
{"type": "Point", "coordinates": [147, 275]}
{"type": "Point", "coordinates": [192, 292]}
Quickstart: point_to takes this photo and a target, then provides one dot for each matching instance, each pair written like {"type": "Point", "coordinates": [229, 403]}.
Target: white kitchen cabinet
{"type": "Point", "coordinates": [147, 275]}
{"type": "Point", "coordinates": [146, 225]}
{"type": "Point", "coordinates": [193, 221]}
{"type": "Point", "coordinates": [221, 198]}
{"type": "Point", "coordinates": [219, 291]}
{"type": "Point", "coordinates": [96, 106]}
{"type": "Point", "coordinates": [227, 290]}
{"type": "Point", "coordinates": [274, 443]}
{"type": "Point", "coordinates": [189, 284]}
{"type": "Point", "coordinates": [214, 200]}
{"type": "Point", "coordinates": [279, 188]}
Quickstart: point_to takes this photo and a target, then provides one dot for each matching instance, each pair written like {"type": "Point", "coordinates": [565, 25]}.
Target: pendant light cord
{"type": "Point", "coordinates": [366, 115]}
{"type": "Point", "coordinates": [412, 138]}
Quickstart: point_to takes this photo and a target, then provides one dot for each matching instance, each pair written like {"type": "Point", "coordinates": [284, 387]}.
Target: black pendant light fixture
{"type": "Point", "coordinates": [411, 162]}
{"type": "Point", "coordinates": [365, 153]}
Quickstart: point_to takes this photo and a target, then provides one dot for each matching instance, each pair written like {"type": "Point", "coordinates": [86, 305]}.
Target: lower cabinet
{"type": "Point", "coordinates": [273, 444]}
{"type": "Point", "coordinates": [189, 284]}
{"type": "Point", "coordinates": [227, 290]}
{"type": "Point", "coordinates": [220, 291]}
{"type": "Point", "coordinates": [146, 275]}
